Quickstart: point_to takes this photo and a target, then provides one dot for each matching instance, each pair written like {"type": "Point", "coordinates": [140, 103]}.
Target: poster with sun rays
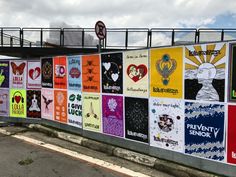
{"type": "Point", "coordinates": [205, 72]}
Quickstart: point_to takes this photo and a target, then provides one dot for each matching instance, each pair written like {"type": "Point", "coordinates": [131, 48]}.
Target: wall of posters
{"type": "Point", "coordinates": [47, 72]}
{"type": "Point", "coordinates": [204, 130]}
{"type": "Point", "coordinates": [205, 72]}
{"type": "Point", "coordinates": [74, 73]}
{"type": "Point", "coordinates": [18, 74]}
{"type": "Point", "coordinates": [112, 73]}
{"type": "Point", "coordinates": [91, 73]}
{"type": "Point", "coordinates": [18, 103]}
{"type": "Point", "coordinates": [34, 74]}
{"type": "Point", "coordinates": [232, 75]}
{"type": "Point", "coordinates": [91, 112]}
{"type": "Point", "coordinates": [33, 103]}
{"type": "Point", "coordinates": [4, 74]}
{"type": "Point", "coordinates": [4, 102]}
{"type": "Point", "coordinates": [60, 106]}
{"type": "Point", "coordinates": [60, 72]}
{"type": "Point", "coordinates": [136, 119]}
{"type": "Point", "coordinates": [74, 107]}
{"type": "Point", "coordinates": [47, 103]}
{"type": "Point", "coordinates": [167, 124]}
{"type": "Point", "coordinates": [136, 73]}
{"type": "Point", "coordinates": [112, 115]}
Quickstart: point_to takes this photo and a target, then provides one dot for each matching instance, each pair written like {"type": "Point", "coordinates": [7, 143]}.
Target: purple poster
{"type": "Point", "coordinates": [112, 109]}
{"type": "Point", "coordinates": [4, 74]}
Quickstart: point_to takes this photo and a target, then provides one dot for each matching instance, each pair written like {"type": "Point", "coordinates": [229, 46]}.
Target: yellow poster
{"type": "Point", "coordinates": [18, 103]}
{"type": "Point", "coordinates": [166, 72]}
{"type": "Point", "coordinates": [91, 112]}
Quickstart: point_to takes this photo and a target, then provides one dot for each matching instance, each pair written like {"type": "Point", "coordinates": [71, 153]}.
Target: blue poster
{"type": "Point", "coordinates": [204, 130]}
{"type": "Point", "coordinates": [74, 73]}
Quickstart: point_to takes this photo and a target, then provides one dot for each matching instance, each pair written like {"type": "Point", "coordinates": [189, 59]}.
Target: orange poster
{"type": "Point", "coordinates": [91, 73]}
{"type": "Point", "coordinates": [60, 72]}
{"type": "Point", "coordinates": [60, 105]}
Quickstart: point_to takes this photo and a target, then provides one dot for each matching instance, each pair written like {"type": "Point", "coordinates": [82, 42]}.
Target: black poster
{"type": "Point", "coordinates": [232, 95]}
{"type": "Point", "coordinates": [112, 73]}
{"type": "Point", "coordinates": [34, 103]}
{"type": "Point", "coordinates": [136, 119]}
{"type": "Point", "coordinates": [47, 72]}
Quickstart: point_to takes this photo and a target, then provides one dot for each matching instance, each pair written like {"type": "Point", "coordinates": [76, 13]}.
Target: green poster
{"type": "Point", "coordinates": [18, 103]}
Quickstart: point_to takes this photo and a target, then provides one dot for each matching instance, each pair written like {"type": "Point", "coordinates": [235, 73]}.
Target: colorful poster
{"type": "Point", "coordinates": [112, 73]}
{"type": "Point", "coordinates": [204, 130]}
{"type": "Point", "coordinates": [74, 73]}
{"type": "Point", "coordinates": [136, 119]}
{"type": "Point", "coordinates": [34, 74]}
{"type": "Point", "coordinates": [232, 73]}
{"type": "Point", "coordinates": [34, 103]}
{"type": "Point", "coordinates": [231, 143]}
{"type": "Point", "coordinates": [60, 72]}
{"type": "Point", "coordinates": [91, 73]}
{"type": "Point", "coordinates": [167, 124]}
{"type": "Point", "coordinates": [60, 106]}
{"type": "Point", "coordinates": [47, 72]}
{"type": "Point", "coordinates": [18, 74]}
{"type": "Point", "coordinates": [4, 74]}
{"type": "Point", "coordinates": [47, 103]}
{"type": "Point", "coordinates": [136, 73]}
{"type": "Point", "coordinates": [74, 109]}
{"type": "Point", "coordinates": [91, 112]}
{"type": "Point", "coordinates": [166, 72]}
{"type": "Point", "coordinates": [4, 102]}
{"type": "Point", "coordinates": [205, 72]}
{"type": "Point", "coordinates": [18, 103]}
{"type": "Point", "coordinates": [112, 115]}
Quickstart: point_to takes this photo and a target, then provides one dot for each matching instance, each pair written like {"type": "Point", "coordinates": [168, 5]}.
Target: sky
{"type": "Point", "coordinates": [119, 13]}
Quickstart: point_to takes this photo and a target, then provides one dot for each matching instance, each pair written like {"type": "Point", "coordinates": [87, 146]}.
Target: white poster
{"type": "Point", "coordinates": [34, 74]}
{"type": "Point", "coordinates": [18, 74]}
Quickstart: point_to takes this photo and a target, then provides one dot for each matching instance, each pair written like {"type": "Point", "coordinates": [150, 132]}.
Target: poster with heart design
{"type": "Point", "coordinates": [112, 73]}
{"type": "Point", "coordinates": [60, 72]}
{"type": "Point", "coordinates": [4, 74]}
{"type": "Point", "coordinates": [18, 103]}
{"type": "Point", "coordinates": [47, 103]}
{"type": "Point", "coordinates": [60, 106]}
{"type": "Point", "coordinates": [4, 102]}
{"type": "Point", "coordinates": [47, 72]}
{"type": "Point", "coordinates": [34, 75]}
{"type": "Point", "coordinates": [74, 73]}
{"type": "Point", "coordinates": [136, 73]}
{"type": "Point", "coordinates": [18, 74]}
{"type": "Point", "coordinates": [33, 103]}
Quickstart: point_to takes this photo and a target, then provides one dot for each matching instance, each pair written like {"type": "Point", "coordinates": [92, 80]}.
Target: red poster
{"type": "Point", "coordinates": [231, 152]}
{"type": "Point", "coordinates": [60, 106]}
{"type": "Point", "coordinates": [60, 72]}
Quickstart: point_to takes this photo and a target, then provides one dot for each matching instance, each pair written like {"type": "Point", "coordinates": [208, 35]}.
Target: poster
{"type": "Point", "coordinates": [60, 106]}
{"type": "Point", "coordinates": [34, 75]}
{"type": "Point", "coordinates": [204, 130]}
{"type": "Point", "coordinates": [18, 103]}
{"type": "Point", "coordinates": [60, 72]}
{"type": "Point", "coordinates": [112, 115]}
{"type": "Point", "coordinates": [166, 72]}
{"type": "Point", "coordinates": [74, 73]}
{"type": "Point", "coordinates": [47, 72]}
{"type": "Point", "coordinates": [4, 102]}
{"type": "Point", "coordinates": [91, 112]}
{"type": "Point", "coordinates": [112, 73]}
{"type": "Point", "coordinates": [136, 73]}
{"type": "Point", "coordinates": [231, 143]}
{"type": "Point", "coordinates": [33, 103]}
{"type": "Point", "coordinates": [74, 107]}
{"type": "Point", "coordinates": [205, 72]}
{"type": "Point", "coordinates": [18, 74]}
{"type": "Point", "coordinates": [47, 103]}
{"type": "Point", "coordinates": [136, 119]}
{"type": "Point", "coordinates": [232, 73]}
{"type": "Point", "coordinates": [4, 74]}
{"type": "Point", "coordinates": [167, 124]}
{"type": "Point", "coordinates": [91, 73]}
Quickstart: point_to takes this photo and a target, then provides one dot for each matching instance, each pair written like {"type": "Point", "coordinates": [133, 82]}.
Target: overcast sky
{"type": "Point", "coordinates": [119, 13]}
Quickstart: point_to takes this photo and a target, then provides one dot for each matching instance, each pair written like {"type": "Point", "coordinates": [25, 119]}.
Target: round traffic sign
{"type": "Point", "coordinates": [100, 30]}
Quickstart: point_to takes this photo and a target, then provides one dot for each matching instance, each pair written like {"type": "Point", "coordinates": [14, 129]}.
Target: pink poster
{"type": "Point", "coordinates": [34, 74]}
{"type": "Point", "coordinates": [18, 74]}
{"type": "Point", "coordinates": [47, 103]}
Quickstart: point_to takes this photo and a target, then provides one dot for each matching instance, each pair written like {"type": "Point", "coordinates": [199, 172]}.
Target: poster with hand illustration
{"type": "Point", "coordinates": [91, 73]}
{"type": "Point", "coordinates": [136, 73]}
{"type": "Point", "coordinates": [4, 74]}
{"type": "Point", "coordinates": [47, 72]}
{"type": "Point", "coordinates": [60, 106]}
{"type": "Point", "coordinates": [18, 74]}
{"type": "Point", "coordinates": [60, 72]}
{"type": "Point", "coordinates": [47, 103]}
{"type": "Point", "coordinates": [4, 102]}
{"type": "Point", "coordinates": [205, 72]}
{"type": "Point", "coordinates": [34, 103]}
{"type": "Point", "coordinates": [167, 124]}
{"type": "Point", "coordinates": [74, 73]}
{"type": "Point", "coordinates": [112, 115]}
{"type": "Point", "coordinates": [18, 103]}
{"type": "Point", "coordinates": [112, 73]}
{"type": "Point", "coordinates": [34, 75]}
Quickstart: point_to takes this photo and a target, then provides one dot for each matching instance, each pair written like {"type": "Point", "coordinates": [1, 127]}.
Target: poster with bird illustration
{"type": "Point", "coordinates": [47, 103]}
{"type": "Point", "coordinates": [4, 74]}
